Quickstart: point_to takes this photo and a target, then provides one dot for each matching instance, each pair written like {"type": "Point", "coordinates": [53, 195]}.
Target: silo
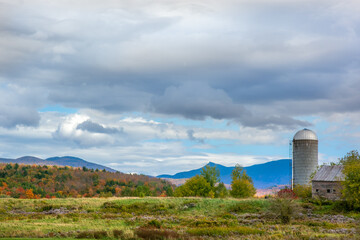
{"type": "Point", "coordinates": [305, 156]}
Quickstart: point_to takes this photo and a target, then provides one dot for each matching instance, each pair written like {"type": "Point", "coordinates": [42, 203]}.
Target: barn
{"type": "Point", "coordinates": [327, 182]}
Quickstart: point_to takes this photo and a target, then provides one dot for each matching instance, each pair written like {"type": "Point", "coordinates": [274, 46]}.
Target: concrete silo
{"type": "Point", "coordinates": [305, 156]}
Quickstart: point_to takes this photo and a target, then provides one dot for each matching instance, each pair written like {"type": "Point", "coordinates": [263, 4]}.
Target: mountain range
{"type": "Point", "coordinates": [264, 175]}
{"type": "Point", "coordinates": [57, 161]}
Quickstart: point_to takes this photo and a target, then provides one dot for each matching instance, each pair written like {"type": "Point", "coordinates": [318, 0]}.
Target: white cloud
{"type": "Point", "coordinates": [261, 65]}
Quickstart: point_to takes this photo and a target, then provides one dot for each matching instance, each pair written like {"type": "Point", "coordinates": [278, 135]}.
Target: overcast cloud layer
{"type": "Point", "coordinates": [136, 71]}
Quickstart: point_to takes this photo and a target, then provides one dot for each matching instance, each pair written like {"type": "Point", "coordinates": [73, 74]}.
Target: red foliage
{"type": "Point", "coordinates": [286, 193]}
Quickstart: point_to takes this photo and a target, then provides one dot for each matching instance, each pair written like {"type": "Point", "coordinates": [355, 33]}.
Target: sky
{"type": "Point", "coordinates": [165, 86]}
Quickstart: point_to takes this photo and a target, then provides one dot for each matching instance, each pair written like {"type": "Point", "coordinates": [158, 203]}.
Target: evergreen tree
{"type": "Point", "coordinates": [211, 174]}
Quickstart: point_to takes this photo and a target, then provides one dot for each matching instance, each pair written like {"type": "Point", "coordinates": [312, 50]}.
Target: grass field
{"type": "Point", "coordinates": [167, 218]}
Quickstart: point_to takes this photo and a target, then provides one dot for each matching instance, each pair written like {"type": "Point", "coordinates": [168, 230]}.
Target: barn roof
{"type": "Point", "coordinates": [329, 174]}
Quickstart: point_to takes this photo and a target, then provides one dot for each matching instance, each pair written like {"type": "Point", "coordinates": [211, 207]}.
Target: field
{"type": "Point", "coordinates": [168, 218]}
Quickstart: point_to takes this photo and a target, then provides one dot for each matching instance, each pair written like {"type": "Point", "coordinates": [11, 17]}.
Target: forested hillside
{"type": "Point", "coordinates": [34, 181]}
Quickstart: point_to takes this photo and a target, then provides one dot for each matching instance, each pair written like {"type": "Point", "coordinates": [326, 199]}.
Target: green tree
{"type": "Point", "coordinates": [196, 186]}
{"type": "Point", "coordinates": [351, 191]}
{"type": "Point", "coordinates": [211, 174]}
{"type": "Point", "coordinates": [241, 185]}
{"type": "Point", "coordinates": [221, 191]}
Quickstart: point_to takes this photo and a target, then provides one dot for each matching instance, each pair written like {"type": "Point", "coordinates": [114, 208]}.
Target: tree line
{"type": "Point", "coordinates": [35, 181]}
{"type": "Point", "coordinates": [208, 184]}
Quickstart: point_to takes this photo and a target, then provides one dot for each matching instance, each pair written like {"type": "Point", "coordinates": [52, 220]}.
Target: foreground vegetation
{"type": "Point", "coordinates": [171, 218]}
{"type": "Point", "coordinates": [35, 202]}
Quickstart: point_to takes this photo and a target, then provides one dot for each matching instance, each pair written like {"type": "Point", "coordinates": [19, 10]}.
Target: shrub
{"type": "Point", "coordinates": [118, 233]}
{"type": "Point", "coordinates": [286, 193]}
{"type": "Point", "coordinates": [302, 191]}
{"type": "Point", "coordinates": [47, 208]}
{"type": "Point", "coordinates": [92, 234]}
{"type": "Point", "coordinates": [204, 223]}
{"type": "Point", "coordinates": [284, 209]}
{"type": "Point", "coordinates": [85, 234]}
{"type": "Point", "coordinates": [223, 231]}
{"type": "Point", "coordinates": [154, 223]}
{"type": "Point", "coordinates": [100, 234]}
{"type": "Point", "coordinates": [188, 204]}
{"type": "Point", "coordinates": [156, 234]}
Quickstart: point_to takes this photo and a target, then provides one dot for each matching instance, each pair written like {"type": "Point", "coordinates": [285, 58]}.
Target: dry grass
{"type": "Point", "coordinates": [160, 218]}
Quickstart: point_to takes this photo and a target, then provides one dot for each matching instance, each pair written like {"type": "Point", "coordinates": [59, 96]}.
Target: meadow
{"type": "Point", "coordinates": [170, 218]}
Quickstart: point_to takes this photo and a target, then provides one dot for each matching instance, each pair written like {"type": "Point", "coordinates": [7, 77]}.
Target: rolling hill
{"type": "Point", "coordinates": [57, 161]}
{"type": "Point", "coordinates": [263, 175]}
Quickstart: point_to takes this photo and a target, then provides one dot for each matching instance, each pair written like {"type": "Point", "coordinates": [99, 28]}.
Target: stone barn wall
{"type": "Point", "coordinates": [328, 190]}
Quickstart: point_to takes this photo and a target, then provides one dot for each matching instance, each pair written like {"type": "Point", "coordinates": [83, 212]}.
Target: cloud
{"type": "Point", "coordinates": [69, 130]}
{"type": "Point", "coordinates": [194, 60]}
{"type": "Point", "coordinates": [196, 100]}
{"type": "Point", "coordinates": [18, 106]}
{"type": "Point", "coordinates": [90, 126]}
{"type": "Point", "coordinates": [191, 136]}
{"type": "Point", "coordinates": [264, 67]}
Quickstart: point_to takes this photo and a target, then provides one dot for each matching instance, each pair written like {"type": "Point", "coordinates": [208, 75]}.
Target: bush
{"type": "Point", "coordinates": [85, 234]}
{"type": "Point", "coordinates": [154, 223]}
{"type": "Point", "coordinates": [118, 233]}
{"type": "Point", "coordinates": [302, 191]}
{"type": "Point", "coordinates": [284, 209]}
{"type": "Point", "coordinates": [286, 193]}
{"type": "Point", "coordinates": [100, 234]}
{"type": "Point", "coordinates": [223, 231]}
{"type": "Point", "coordinates": [156, 234]}
{"type": "Point", "coordinates": [92, 234]}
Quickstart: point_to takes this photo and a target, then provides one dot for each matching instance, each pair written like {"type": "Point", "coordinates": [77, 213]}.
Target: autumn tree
{"type": "Point", "coordinates": [29, 194]}
{"type": "Point", "coordinates": [241, 185]}
{"type": "Point", "coordinates": [351, 191]}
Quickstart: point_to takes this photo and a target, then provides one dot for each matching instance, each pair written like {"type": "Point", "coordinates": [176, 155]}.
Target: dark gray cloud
{"type": "Point", "coordinates": [18, 106]}
{"type": "Point", "coordinates": [90, 126]}
{"type": "Point", "coordinates": [197, 101]}
{"type": "Point", "coordinates": [190, 134]}
{"type": "Point", "coordinates": [259, 64]}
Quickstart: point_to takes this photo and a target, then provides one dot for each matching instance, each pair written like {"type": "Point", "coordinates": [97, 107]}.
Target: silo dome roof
{"type": "Point", "coordinates": [305, 134]}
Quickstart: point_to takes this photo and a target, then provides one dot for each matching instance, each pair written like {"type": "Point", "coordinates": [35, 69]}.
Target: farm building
{"type": "Point", "coordinates": [327, 182]}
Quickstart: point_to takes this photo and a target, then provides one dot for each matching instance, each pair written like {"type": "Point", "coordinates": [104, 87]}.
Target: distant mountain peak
{"type": "Point", "coordinates": [58, 161]}
{"type": "Point", "coordinates": [212, 164]}
{"type": "Point", "coordinates": [27, 158]}
{"type": "Point", "coordinates": [64, 157]}
{"type": "Point", "coordinates": [263, 175]}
